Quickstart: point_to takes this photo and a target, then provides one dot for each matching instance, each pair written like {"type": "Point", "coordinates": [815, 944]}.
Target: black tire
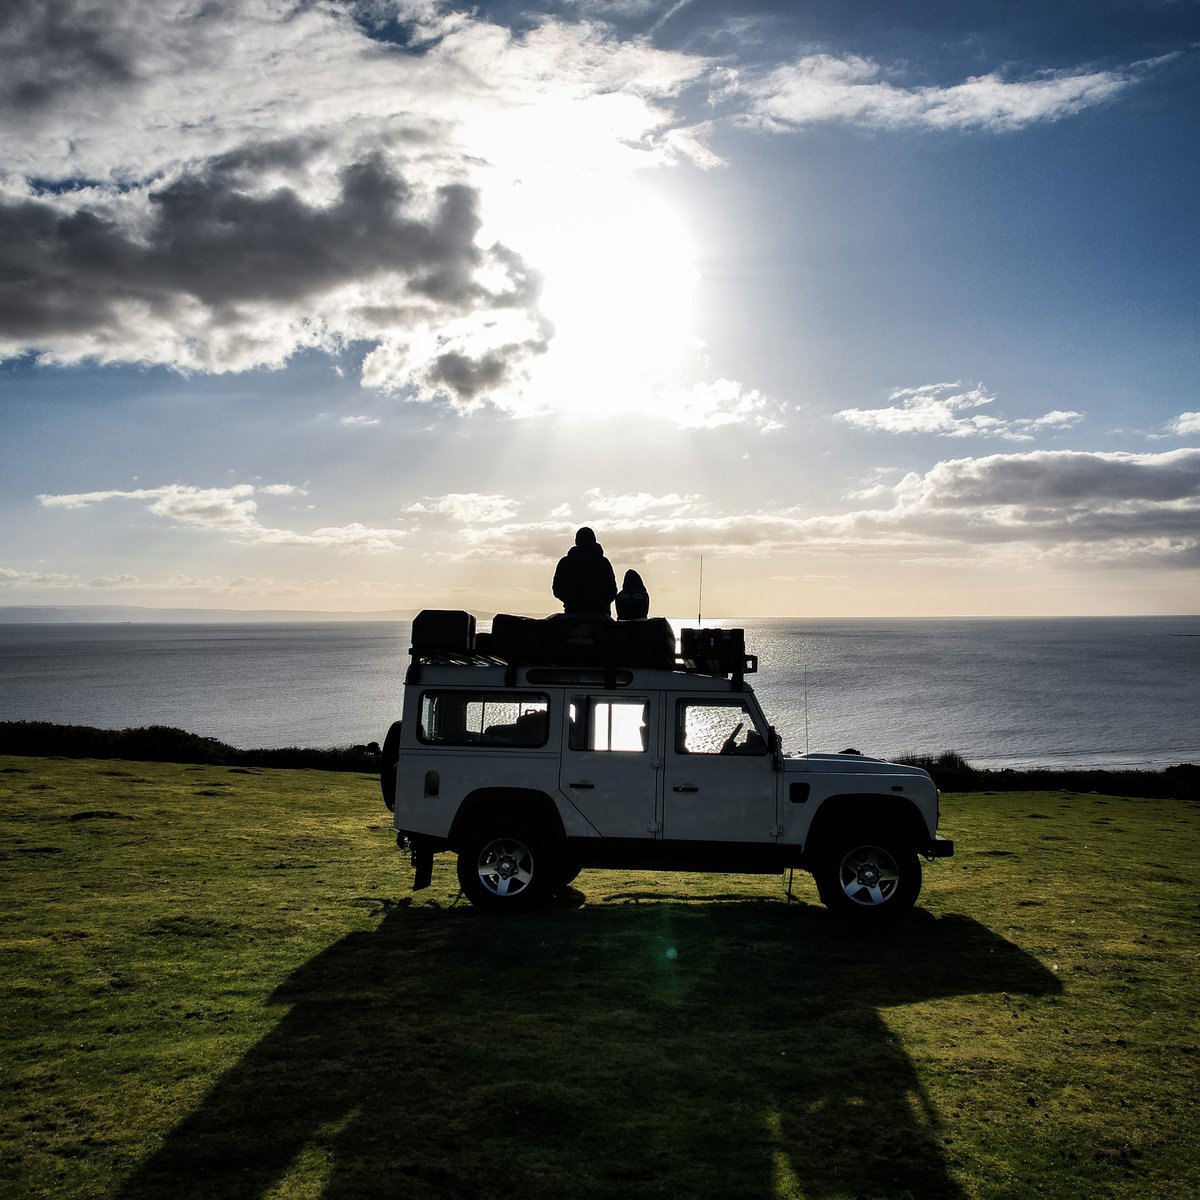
{"type": "Point", "coordinates": [508, 866]}
{"type": "Point", "coordinates": [389, 757]}
{"type": "Point", "coordinates": [868, 874]}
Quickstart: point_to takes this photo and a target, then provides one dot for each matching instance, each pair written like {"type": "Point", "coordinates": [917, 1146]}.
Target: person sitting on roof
{"type": "Point", "coordinates": [633, 601]}
{"type": "Point", "coordinates": [584, 579]}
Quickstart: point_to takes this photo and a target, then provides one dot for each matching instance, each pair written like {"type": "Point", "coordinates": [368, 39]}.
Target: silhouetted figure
{"type": "Point", "coordinates": [633, 601]}
{"type": "Point", "coordinates": [584, 579]}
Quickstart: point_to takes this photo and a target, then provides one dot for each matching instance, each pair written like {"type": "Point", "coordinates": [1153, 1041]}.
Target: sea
{"type": "Point", "coordinates": [1111, 692]}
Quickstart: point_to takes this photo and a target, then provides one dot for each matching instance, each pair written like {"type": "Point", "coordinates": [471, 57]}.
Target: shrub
{"type": "Point", "coordinates": [162, 743]}
{"type": "Point", "coordinates": [952, 773]}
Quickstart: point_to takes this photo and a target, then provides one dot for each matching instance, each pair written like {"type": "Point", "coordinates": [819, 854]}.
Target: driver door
{"type": "Point", "coordinates": [719, 779]}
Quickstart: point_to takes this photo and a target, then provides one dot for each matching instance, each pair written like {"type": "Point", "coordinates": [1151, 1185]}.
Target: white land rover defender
{"type": "Point", "coordinates": [544, 748]}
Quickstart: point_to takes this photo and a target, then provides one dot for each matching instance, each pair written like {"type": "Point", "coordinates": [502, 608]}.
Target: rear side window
{"type": "Point", "coordinates": [484, 719]}
{"type": "Point", "coordinates": [608, 723]}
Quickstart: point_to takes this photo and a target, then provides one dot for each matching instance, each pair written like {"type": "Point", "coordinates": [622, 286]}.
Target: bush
{"type": "Point", "coordinates": [952, 773]}
{"type": "Point", "coordinates": [162, 743]}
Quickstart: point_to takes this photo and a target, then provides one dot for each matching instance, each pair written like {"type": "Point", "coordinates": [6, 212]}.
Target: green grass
{"type": "Point", "coordinates": [216, 984]}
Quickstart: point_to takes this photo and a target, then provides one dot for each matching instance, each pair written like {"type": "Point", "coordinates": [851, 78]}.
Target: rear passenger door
{"type": "Point", "coordinates": [612, 762]}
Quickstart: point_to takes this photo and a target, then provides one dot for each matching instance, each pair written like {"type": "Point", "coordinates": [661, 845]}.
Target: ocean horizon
{"type": "Point", "coordinates": [1115, 692]}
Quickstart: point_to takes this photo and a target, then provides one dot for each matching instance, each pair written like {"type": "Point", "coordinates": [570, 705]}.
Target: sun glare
{"type": "Point", "coordinates": [619, 278]}
{"type": "Point", "coordinates": [622, 268]}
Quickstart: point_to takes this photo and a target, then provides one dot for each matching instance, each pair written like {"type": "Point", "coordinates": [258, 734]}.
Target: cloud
{"type": "Point", "coordinates": [1185, 424]}
{"type": "Point", "coordinates": [212, 585]}
{"type": "Point", "coordinates": [942, 409]}
{"type": "Point", "coordinates": [1090, 508]}
{"type": "Point", "coordinates": [209, 508]}
{"type": "Point", "coordinates": [1111, 508]}
{"type": "Point", "coordinates": [639, 504]}
{"type": "Point", "coordinates": [234, 511]}
{"type": "Point", "coordinates": [1066, 481]}
{"type": "Point", "coordinates": [824, 87]}
{"type": "Point", "coordinates": [210, 273]}
{"type": "Point", "coordinates": [215, 187]}
{"type": "Point", "coordinates": [469, 508]}
{"type": "Point", "coordinates": [13, 577]}
{"type": "Point", "coordinates": [1114, 508]}
{"type": "Point", "coordinates": [719, 403]}
{"type": "Point", "coordinates": [114, 581]}
{"type": "Point", "coordinates": [238, 585]}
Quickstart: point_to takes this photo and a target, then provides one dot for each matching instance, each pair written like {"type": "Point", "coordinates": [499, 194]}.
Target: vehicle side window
{"type": "Point", "coordinates": [605, 723]}
{"type": "Point", "coordinates": [484, 719]}
{"type": "Point", "coordinates": [717, 727]}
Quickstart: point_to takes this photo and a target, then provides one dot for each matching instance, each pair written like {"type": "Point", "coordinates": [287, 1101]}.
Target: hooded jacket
{"type": "Point", "coordinates": [633, 601]}
{"type": "Point", "coordinates": [584, 580]}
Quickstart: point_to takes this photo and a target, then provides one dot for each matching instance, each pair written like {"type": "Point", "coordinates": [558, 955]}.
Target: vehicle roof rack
{"type": "Point", "coordinates": [448, 638]}
{"type": "Point", "coordinates": [430, 656]}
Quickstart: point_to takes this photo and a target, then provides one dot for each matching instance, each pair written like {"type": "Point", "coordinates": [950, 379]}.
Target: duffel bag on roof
{"type": "Point", "coordinates": [582, 641]}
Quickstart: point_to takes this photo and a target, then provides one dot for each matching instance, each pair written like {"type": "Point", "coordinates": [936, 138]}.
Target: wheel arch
{"type": "Point", "coordinates": [523, 803]}
{"type": "Point", "coordinates": [854, 809]}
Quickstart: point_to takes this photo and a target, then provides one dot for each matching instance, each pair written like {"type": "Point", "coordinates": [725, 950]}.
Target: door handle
{"type": "Point", "coordinates": [686, 787]}
{"type": "Point", "coordinates": [582, 787]}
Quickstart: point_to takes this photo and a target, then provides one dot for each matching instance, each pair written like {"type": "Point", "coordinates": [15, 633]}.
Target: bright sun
{"type": "Point", "coordinates": [619, 280]}
{"type": "Point", "coordinates": [621, 267]}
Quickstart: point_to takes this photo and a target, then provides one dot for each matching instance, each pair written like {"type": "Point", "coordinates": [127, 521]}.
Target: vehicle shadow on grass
{"type": "Point", "coordinates": [732, 1050]}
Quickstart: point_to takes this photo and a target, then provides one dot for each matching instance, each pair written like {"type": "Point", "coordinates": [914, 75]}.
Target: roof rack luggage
{"type": "Point", "coordinates": [581, 641]}
{"type": "Point", "coordinates": [440, 629]}
{"type": "Point", "coordinates": [716, 652]}
{"type": "Point", "coordinates": [448, 636]}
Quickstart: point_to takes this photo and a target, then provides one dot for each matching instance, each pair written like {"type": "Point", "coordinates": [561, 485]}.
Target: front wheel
{"type": "Point", "coordinates": [868, 875]}
{"type": "Point", "coordinates": [507, 867]}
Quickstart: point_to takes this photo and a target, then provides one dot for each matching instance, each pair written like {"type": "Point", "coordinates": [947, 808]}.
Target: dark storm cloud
{"type": "Point", "coordinates": [469, 377]}
{"type": "Point", "coordinates": [225, 246]}
{"type": "Point", "coordinates": [53, 49]}
{"type": "Point", "coordinates": [213, 185]}
{"type": "Point", "coordinates": [65, 271]}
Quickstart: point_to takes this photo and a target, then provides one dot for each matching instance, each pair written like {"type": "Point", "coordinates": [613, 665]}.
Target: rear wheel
{"type": "Point", "coordinates": [507, 866]}
{"type": "Point", "coordinates": [868, 874]}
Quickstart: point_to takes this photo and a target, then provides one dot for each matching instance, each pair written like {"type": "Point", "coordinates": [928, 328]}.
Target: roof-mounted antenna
{"type": "Point", "coordinates": [806, 699]}
{"type": "Point", "coordinates": [700, 598]}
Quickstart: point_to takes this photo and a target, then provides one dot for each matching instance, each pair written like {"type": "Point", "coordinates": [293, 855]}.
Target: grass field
{"type": "Point", "coordinates": [215, 983]}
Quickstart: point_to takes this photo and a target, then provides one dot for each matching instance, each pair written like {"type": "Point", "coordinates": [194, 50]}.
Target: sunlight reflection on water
{"type": "Point", "coordinates": [1078, 691]}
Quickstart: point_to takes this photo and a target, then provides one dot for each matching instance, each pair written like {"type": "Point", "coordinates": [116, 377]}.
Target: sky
{"type": "Point", "coordinates": [879, 309]}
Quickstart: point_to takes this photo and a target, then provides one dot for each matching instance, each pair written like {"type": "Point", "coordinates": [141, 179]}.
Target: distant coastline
{"type": "Point", "coordinates": [117, 614]}
{"type": "Point", "coordinates": [135, 614]}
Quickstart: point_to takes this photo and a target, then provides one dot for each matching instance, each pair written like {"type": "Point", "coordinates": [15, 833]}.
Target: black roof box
{"type": "Point", "coordinates": [442, 629]}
